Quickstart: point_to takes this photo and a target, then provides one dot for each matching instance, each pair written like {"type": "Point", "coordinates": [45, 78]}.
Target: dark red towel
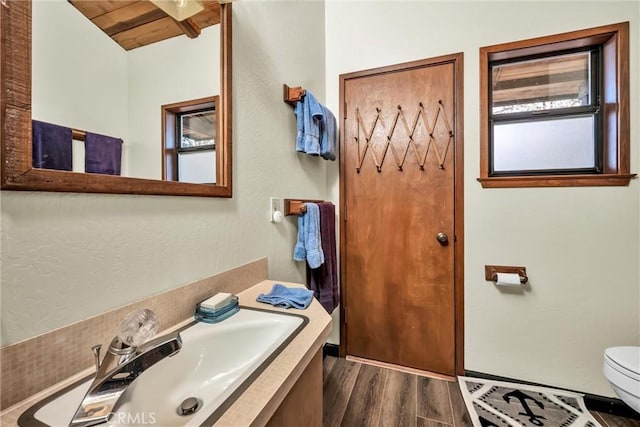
{"type": "Point", "coordinates": [323, 281]}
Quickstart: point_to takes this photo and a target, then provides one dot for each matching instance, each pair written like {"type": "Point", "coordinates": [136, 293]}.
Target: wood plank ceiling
{"type": "Point", "coordinates": [136, 23]}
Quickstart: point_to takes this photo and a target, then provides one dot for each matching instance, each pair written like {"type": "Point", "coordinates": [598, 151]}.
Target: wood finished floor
{"type": "Point", "coordinates": [362, 395]}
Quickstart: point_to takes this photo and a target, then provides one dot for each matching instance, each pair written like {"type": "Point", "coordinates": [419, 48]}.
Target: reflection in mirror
{"type": "Point", "coordinates": [115, 86]}
{"type": "Point", "coordinates": [189, 141]}
{"type": "Point", "coordinates": [102, 72]}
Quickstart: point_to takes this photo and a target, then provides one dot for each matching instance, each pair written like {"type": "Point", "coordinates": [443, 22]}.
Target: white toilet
{"type": "Point", "coordinates": [622, 369]}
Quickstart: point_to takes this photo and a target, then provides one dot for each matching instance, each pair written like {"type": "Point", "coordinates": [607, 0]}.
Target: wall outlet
{"type": "Point", "coordinates": [274, 206]}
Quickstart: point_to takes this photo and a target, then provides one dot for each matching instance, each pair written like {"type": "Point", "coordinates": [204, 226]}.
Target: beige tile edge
{"type": "Point", "coordinates": [26, 368]}
{"type": "Point", "coordinates": [262, 398]}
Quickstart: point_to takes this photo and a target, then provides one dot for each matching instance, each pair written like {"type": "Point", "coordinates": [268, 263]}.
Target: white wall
{"type": "Point", "coordinates": [79, 75]}
{"type": "Point", "coordinates": [580, 245]}
{"type": "Point", "coordinates": [69, 256]}
{"type": "Point", "coordinates": [174, 70]}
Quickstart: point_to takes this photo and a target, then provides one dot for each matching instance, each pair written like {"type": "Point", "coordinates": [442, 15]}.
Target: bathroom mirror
{"type": "Point", "coordinates": [16, 107]}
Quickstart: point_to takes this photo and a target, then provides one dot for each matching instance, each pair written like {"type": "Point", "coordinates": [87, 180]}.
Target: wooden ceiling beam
{"type": "Point", "coordinates": [92, 9]}
{"type": "Point", "coordinates": [128, 17]}
{"type": "Point", "coordinates": [148, 33]}
{"type": "Point", "coordinates": [135, 23]}
{"type": "Point", "coordinates": [189, 28]}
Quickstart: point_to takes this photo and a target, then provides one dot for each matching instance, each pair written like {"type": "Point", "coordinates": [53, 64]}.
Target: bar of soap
{"type": "Point", "coordinates": [217, 301]}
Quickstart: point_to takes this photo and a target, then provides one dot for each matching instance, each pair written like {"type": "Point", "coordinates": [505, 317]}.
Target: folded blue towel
{"type": "Point", "coordinates": [313, 115]}
{"type": "Point", "coordinates": [309, 244]}
{"type": "Point", "coordinates": [281, 296]}
{"type": "Point", "coordinates": [313, 239]}
{"type": "Point", "coordinates": [310, 116]}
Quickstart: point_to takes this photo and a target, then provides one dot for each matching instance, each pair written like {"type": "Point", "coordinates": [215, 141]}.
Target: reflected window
{"type": "Point", "coordinates": [189, 141]}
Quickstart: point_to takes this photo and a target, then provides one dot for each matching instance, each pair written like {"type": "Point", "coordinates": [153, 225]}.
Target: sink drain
{"type": "Point", "coordinates": [189, 406]}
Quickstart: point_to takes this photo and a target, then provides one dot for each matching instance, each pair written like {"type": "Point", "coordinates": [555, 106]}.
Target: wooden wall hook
{"type": "Point", "coordinates": [296, 206]}
{"type": "Point", "coordinates": [291, 95]}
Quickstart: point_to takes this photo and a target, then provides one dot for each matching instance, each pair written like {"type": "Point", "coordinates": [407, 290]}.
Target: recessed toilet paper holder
{"type": "Point", "coordinates": [491, 272]}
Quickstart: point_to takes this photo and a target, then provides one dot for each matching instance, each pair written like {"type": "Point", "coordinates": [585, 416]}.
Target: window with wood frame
{"type": "Point", "coordinates": [189, 141]}
{"type": "Point", "coordinates": [555, 110]}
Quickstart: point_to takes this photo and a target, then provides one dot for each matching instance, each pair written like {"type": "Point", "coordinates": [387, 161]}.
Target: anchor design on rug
{"type": "Point", "coordinates": [522, 397]}
{"type": "Point", "coordinates": [486, 423]}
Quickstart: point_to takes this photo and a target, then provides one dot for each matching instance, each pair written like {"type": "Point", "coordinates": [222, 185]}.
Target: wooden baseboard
{"type": "Point", "coordinates": [593, 402]}
{"type": "Point", "coordinates": [401, 368]}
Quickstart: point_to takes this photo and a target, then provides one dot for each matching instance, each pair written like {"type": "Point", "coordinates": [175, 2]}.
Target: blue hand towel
{"type": "Point", "coordinates": [281, 296]}
{"type": "Point", "coordinates": [309, 243]}
{"type": "Point", "coordinates": [299, 252]}
{"type": "Point", "coordinates": [313, 116]}
{"type": "Point", "coordinates": [312, 238]}
{"type": "Point", "coordinates": [328, 141]}
{"type": "Point", "coordinates": [299, 112]}
{"type": "Point", "coordinates": [316, 128]}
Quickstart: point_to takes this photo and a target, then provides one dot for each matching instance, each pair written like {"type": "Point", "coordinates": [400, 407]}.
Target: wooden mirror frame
{"type": "Point", "coordinates": [15, 105]}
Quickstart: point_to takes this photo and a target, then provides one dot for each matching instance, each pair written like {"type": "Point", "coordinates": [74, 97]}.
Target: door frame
{"type": "Point", "coordinates": [457, 60]}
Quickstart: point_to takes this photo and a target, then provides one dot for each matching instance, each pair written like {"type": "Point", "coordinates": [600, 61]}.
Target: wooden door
{"type": "Point", "coordinates": [401, 189]}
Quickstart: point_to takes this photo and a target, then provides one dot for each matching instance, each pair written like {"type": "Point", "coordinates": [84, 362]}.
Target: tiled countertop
{"type": "Point", "coordinates": [261, 399]}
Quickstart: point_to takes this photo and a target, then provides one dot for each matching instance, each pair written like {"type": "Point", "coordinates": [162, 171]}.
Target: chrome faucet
{"type": "Point", "coordinates": [125, 361]}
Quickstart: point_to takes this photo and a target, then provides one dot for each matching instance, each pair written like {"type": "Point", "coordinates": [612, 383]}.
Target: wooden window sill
{"type": "Point", "coordinates": [620, 180]}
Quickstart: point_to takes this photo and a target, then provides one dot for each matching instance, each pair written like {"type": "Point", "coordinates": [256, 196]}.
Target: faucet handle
{"type": "Point", "coordinates": [138, 327]}
{"type": "Point", "coordinates": [96, 354]}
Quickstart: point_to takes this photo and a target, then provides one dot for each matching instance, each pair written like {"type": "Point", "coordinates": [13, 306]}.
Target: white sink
{"type": "Point", "coordinates": [216, 363]}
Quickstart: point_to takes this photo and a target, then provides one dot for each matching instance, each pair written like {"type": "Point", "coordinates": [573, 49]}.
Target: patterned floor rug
{"type": "Point", "coordinates": [500, 404]}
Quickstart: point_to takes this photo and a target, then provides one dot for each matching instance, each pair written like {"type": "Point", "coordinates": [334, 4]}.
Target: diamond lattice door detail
{"type": "Point", "coordinates": [430, 140]}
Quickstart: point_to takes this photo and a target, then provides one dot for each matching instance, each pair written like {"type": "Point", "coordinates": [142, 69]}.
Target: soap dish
{"type": "Point", "coordinates": [208, 315]}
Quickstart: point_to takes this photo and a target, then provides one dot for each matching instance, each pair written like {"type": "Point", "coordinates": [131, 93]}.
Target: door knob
{"type": "Point", "coordinates": [442, 238]}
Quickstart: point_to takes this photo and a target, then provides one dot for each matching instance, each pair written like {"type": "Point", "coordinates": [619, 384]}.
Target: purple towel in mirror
{"type": "Point", "coordinates": [103, 154]}
{"type": "Point", "coordinates": [51, 146]}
